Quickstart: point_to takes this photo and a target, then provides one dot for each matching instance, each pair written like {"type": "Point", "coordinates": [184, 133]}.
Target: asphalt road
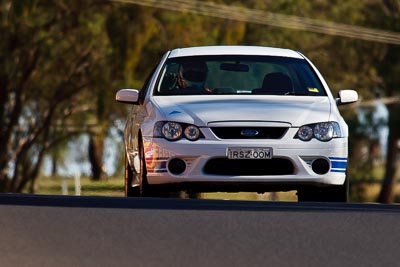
{"type": "Point", "coordinates": [105, 231]}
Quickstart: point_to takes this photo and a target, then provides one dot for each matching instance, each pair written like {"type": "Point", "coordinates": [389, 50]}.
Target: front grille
{"type": "Point", "coordinates": [225, 166]}
{"type": "Point", "coordinates": [240, 132]}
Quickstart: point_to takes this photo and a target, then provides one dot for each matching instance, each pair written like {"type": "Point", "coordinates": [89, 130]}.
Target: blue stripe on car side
{"type": "Point", "coordinates": [337, 158]}
{"type": "Point", "coordinates": [339, 164]}
{"type": "Point", "coordinates": [337, 170]}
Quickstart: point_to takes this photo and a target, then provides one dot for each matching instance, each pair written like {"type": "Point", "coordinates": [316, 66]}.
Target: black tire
{"type": "Point", "coordinates": [335, 193]}
{"type": "Point", "coordinates": [147, 190]}
{"type": "Point", "coordinates": [130, 191]}
{"type": "Point", "coordinates": [143, 184]}
{"type": "Point", "coordinates": [143, 188]}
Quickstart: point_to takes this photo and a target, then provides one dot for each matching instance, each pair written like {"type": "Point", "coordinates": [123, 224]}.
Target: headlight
{"type": "Point", "coordinates": [323, 131]}
{"type": "Point", "coordinates": [173, 131]}
{"type": "Point", "coordinates": [305, 133]}
{"type": "Point", "coordinates": [192, 133]}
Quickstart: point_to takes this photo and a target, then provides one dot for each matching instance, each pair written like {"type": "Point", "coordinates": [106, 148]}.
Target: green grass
{"type": "Point", "coordinates": [53, 186]}
{"type": "Point", "coordinates": [114, 186]}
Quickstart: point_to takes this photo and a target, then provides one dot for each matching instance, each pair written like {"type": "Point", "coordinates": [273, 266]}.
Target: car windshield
{"type": "Point", "coordinates": [233, 75]}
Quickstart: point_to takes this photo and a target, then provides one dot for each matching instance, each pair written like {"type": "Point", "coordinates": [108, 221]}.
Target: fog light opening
{"type": "Point", "coordinates": [176, 166]}
{"type": "Point", "coordinates": [320, 166]}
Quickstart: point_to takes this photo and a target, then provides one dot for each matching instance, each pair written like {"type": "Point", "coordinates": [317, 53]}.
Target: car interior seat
{"type": "Point", "coordinates": [275, 83]}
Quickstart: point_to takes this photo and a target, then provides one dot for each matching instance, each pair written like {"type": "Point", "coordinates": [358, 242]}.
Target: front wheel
{"type": "Point", "coordinates": [136, 184]}
{"type": "Point", "coordinates": [334, 193]}
{"type": "Point", "coordinates": [145, 189]}
{"type": "Point", "coordinates": [130, 189]}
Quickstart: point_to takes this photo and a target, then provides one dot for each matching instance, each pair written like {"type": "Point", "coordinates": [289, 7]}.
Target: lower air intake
{"type": "Point", "coordinates": [224, 166]}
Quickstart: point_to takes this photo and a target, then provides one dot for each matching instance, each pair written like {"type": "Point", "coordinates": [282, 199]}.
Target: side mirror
{"type": "Point", "coordinates": [347, 97]}
{"type": "Point", "coordinates": [130, 96]}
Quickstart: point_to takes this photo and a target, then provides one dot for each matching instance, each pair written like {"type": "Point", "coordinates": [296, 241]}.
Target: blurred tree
{"type": "Point", "coordinates": [390, 69]}
{"type": "Point", "coordinates": [45, 56]}
{"type": "Point", "coordinates": [388, 186]}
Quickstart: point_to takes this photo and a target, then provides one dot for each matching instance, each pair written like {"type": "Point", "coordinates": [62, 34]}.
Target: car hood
{"type": "Point", "coordinates": [206, 110]}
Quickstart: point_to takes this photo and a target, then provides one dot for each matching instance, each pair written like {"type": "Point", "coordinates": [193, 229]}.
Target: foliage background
{"type": "Point", "coordinates": [61, 63]}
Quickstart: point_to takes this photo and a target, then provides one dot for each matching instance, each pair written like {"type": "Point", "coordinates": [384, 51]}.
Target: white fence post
{"type": "Point", "coordinates": [64, 186]}
{"type": "Point", "coordinates": [77, 184]}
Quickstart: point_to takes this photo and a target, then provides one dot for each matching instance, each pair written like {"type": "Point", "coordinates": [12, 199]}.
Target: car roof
{"type": "Point", "coordinates": [233, 50]}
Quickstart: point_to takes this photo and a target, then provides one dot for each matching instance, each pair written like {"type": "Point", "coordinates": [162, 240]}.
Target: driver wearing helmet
{"type": "Point", "coordinates": [191, 78]}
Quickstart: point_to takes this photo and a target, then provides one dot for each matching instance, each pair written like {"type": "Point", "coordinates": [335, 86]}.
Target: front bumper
{"type": "Point", "coordinates": [159, 153]}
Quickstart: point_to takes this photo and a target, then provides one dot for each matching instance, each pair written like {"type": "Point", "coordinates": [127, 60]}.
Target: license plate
{"type": "Point", "coordinates": [249, 153]}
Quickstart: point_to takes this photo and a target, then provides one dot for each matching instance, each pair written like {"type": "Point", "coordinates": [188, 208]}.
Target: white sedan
{"type": "Point", "coordinates": [236, 118]}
